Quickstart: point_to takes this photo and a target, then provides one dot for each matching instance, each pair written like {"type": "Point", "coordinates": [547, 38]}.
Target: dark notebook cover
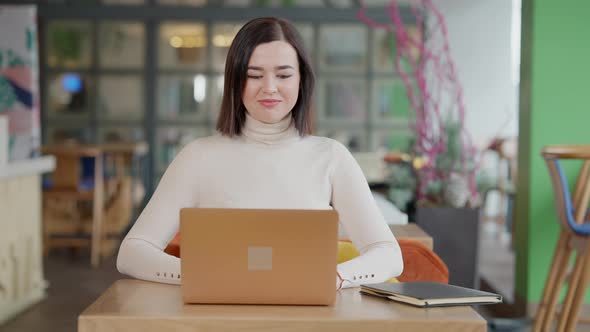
{"type": "Point", "coordinates": [430, 294]}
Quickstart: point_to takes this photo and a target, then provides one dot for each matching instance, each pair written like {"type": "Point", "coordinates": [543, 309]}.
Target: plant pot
{"type": "Point", "coordinates": [455, 233]}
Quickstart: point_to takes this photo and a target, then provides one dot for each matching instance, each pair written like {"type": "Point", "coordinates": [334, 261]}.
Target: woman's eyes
{"type": "Point", "coordinates": [279, 76]}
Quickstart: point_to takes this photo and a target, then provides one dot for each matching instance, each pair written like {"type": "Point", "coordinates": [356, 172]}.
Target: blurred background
{"type": "Point", "coordinates": [98, 96]}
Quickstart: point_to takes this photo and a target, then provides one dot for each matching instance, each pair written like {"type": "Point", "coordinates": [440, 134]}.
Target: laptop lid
{"type": "Point", "coordinates": [256, 256]}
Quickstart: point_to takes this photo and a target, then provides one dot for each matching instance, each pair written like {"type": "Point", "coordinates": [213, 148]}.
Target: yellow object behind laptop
{"type": "Point", "coordinates": [347, 251]}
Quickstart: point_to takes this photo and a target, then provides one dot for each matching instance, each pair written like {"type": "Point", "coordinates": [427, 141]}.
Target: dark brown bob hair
{"type": "Point", "coordinates": [259, 31]}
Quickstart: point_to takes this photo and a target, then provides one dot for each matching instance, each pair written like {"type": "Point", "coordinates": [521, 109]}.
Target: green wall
{"type": "Point", "coordinates": [554, 109]}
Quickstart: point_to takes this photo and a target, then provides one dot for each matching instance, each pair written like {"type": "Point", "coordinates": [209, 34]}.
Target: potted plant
{"type": "Point", "coordinates": [443, 160]}
{"type": "Point", "coordinates": [448, 209]}
{"type": "Point", "coordinates": [437, 195]}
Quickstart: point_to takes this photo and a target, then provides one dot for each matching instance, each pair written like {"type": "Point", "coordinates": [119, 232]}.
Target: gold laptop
{"type": "Point", "coordinates": [253, 256]}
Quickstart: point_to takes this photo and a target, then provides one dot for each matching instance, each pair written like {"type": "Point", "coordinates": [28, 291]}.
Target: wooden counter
{"type": "Point", "coordinates": [412, 231]}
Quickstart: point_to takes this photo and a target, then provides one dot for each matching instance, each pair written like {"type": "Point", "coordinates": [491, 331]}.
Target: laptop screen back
{"type": "Point", "coordinates": [254, 256]}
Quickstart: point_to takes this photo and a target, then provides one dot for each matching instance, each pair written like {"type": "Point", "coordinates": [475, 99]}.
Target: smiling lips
{"type": "Point", "coordinates": [269, 102]}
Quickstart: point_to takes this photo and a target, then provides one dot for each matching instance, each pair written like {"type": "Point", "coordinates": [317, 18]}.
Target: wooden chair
{"type": "Point", "coordinates": [574, 236]}
{"type": "Point", "coordinates": [127, 159]}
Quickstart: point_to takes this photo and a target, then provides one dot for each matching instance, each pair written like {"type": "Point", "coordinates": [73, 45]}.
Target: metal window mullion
{"type": "Point", "coordinates": [369, 88]}
{"type": "Point", "coordinates": [215, 12]}
{"type": "Point", "coordinates": [150, 77]}
{"type": "Point", "coordinates": [315, 54]}
{"type": "Point", "coordinates": [210, 77]}
{"type": "Point", "coordinates": [43, 72]}
{"type": "Point", "coordinates": [94, 72]}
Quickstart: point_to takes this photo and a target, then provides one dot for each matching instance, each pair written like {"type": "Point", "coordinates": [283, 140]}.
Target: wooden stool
{"type": "Point", "coordinates": [574, 236]}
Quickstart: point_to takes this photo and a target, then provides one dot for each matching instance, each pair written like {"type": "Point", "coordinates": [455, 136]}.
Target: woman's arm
{"type": "Point", "coordinates": [142, 251]}
{"type": "Point", "coordinates": [381, 257]}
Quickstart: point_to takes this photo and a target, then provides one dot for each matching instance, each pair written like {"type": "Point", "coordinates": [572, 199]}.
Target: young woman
{"type": "Point", "coordinates": [264, 157]}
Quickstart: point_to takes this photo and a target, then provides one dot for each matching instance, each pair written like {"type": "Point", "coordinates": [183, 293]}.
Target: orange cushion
{"type": "Point", "coordinates": [173, 247]}
{"type": "Point", "coordinates": [421, 263]}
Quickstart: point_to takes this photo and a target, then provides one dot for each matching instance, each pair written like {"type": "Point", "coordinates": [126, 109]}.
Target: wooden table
{"type": "Point", "coordinates": [412, 231]}
{"type": "Point", "coordinates": [136, 305]}
{"type": "Point", "coordinates": [67, 186]}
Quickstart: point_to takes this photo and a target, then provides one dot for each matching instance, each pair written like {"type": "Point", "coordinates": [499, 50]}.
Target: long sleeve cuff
{"type": "Point", "coordinates": [376, 264]}
{"type": "Point", "coordinates": [141, 259]}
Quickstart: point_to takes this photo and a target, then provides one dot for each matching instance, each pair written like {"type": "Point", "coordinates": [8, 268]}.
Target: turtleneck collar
{"type": "Point", "coordinates": [270, 133]}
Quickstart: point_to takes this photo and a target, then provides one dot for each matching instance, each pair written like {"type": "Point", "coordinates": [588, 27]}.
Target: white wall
{"type": "Point", "coordinates": [486, 56]}
{"type": "Point", "coordinates": [480, 44]}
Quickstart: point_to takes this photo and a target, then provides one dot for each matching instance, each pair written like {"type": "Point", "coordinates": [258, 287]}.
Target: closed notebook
{"type": "Point", "coordinates": [430, 294]}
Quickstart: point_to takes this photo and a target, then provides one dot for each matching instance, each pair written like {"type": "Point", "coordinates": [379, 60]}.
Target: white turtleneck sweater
{"type": "Point", "coordinates": [268, 167]}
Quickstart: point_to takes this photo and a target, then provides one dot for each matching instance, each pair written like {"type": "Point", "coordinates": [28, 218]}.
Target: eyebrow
{"type": "Point", "coordinates": [277, 67]}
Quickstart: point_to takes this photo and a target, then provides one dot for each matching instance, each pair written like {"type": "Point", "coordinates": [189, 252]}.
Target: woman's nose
{"type": "Point", "coordinates": [269, 86]}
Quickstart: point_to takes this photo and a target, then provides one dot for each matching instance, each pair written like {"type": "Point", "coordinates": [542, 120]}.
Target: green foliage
{"type": "Point", "coordinates": [66, 42]}
{"type": "Point", "coordinates": [452, 167]}
{"type": "Point", "coordinates": [10, 59]}
{"type": "Point", "coordinates": [15, 60]}
{"type": "Point", "coordinates": [30, 40]}
{"type": "Point", "coordinates": [402, 183]}
{"type": "Point", "coordinates": [450, 160]}
{"type": "Point", "coordinates": [7, 96]}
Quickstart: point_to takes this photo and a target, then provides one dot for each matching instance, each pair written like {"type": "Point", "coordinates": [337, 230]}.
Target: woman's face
{"type": "Point", "coordinates": [272, 86]}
